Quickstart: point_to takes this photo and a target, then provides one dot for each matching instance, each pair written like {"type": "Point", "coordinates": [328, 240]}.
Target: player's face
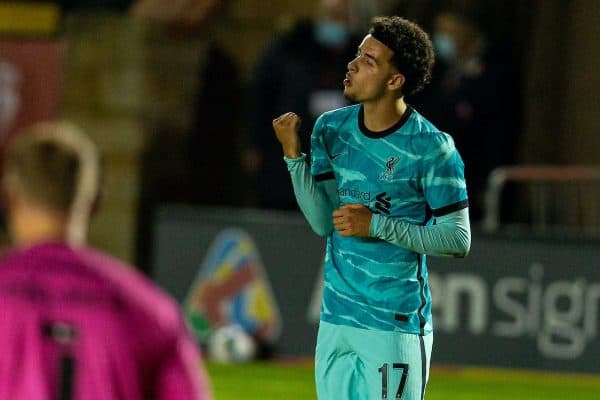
{"type": "Point", "coordinates": [370, 72]}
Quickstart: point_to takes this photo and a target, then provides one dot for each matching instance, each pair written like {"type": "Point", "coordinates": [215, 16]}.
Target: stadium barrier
{"type": "Point", "coordinates": [516, 301]}
{"type": "Point", "coordinates": [560, 196]}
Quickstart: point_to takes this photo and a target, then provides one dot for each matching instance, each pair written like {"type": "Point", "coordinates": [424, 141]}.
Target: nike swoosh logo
{"type": "Point", "coordinates": [334, 156]}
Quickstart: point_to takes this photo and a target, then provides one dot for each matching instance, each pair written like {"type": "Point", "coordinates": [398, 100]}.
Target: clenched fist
{"type": "Point", "coordinates": [352, 220]}
{"type": "Point", "coordinates": [286, 129]}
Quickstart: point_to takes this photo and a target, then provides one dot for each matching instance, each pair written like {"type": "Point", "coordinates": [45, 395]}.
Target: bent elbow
{"type": "Point", "coordinates": [322, 231]}
{"type": "Point", "coordinates": [465, 247]}
{"type": "Point", "coordinates": [322, 227]}
{"type": "Point", "coordinates": [462, 254]}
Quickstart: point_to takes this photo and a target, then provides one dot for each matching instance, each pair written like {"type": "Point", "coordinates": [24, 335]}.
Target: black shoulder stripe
{"type": "Point", "coordinates": [324, 177]}
{"type": "Point", "coordinates": [438, 212]}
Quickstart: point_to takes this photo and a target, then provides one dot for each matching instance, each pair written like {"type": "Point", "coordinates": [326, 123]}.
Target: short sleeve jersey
{"type": "Point", "coordinates": [412, 172]}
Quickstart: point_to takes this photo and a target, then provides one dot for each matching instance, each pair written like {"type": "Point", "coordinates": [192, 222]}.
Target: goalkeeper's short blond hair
{"type": "Point", "coordinates": [54, 165]}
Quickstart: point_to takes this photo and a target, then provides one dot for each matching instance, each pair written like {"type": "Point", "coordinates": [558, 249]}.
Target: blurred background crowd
{"type": "Point", "coordinates": [179, 95]}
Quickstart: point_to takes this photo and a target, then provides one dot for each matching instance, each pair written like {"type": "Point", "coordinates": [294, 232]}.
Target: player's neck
{"type": "Point", "coordinates": [35, 226]}
{"type": "Point", "coordinates": [382, 115]}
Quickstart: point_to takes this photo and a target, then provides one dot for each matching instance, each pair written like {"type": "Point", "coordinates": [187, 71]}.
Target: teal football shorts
{"type": "Point", "coordinates": [363, 364]}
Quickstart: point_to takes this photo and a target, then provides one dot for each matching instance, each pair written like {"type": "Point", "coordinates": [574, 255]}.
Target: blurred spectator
{"type": "Point", "coordinates": [69, 5]}
{"type": "Point", "coordinates": [10, 96]}
{"type": "Point", "coordinates": [76, 323]}
{"type": "Point", "coordinates": [470, 99]}
{"type": "Point", "coordinates": [302, 70]}
{"type": "Point", "coordinates": [192, 155]}
{"type": "Point", "coordinates": [191, 13]}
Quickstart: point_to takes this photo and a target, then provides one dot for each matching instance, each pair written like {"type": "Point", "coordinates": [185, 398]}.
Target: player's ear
{"type": "Point", "coordinates": [396, 81]}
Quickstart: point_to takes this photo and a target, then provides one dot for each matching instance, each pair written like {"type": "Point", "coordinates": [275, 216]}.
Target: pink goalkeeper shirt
{"type": "Point", "coordinates": [77, 324]}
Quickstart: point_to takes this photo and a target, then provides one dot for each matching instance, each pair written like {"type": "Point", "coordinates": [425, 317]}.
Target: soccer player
{"type": "Point", "coordinates": [75, 323]}
{"type": "Point", "coordinates": [387, 188]}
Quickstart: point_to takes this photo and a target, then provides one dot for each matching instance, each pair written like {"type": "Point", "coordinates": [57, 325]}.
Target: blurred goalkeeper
{"type": "Point", "coordinates": [387, 188]}
{"type": "Point", "coordinates": [75, 323]}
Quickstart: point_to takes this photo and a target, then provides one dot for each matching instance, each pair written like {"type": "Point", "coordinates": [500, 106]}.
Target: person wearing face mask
{"type": "Point", "coordinates": [468, 98]}
{"type": "Point", "coordinates": [299, 70]}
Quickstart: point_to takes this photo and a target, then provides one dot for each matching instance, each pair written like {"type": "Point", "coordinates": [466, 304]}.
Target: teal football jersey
{"type": "Point", "coordinates": [413, 172]}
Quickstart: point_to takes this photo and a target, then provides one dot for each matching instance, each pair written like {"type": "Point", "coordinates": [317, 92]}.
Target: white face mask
{"type": "Point", "coordinates": [331, 34]}
{"type": "Point", "coordinates": [445, 47]}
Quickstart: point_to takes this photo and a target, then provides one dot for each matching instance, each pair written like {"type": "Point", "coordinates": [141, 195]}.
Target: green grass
{"type": "Point", "coordinates": [262, 381]}
{"type": "Point", "coordinates": [291, 381]}
{"type": "Point", "coordinates": [496, 384]}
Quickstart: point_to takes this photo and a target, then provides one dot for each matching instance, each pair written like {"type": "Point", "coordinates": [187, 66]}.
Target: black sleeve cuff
{"type": "Point", "coordinates": [439, 212]}
{"type": "Point", "coordinates": [324, 177]}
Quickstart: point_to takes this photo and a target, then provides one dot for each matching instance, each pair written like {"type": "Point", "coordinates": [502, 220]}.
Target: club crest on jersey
{"type": "Point", "coordinates": [390, 165]}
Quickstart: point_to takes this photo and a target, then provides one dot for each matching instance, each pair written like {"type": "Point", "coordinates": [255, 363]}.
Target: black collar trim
{"type": "Point", "coordinates": [381, 134]}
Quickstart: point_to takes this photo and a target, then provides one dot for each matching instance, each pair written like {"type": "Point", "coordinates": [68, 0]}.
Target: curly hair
{"type": "Point", "coordinates": [413, 51]}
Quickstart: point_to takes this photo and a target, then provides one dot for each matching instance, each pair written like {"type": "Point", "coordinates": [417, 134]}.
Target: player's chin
{"type": "Point", "coordinates": [349, 95]}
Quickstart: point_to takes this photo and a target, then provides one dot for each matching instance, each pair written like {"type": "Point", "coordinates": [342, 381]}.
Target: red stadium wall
{"type": "Point", "coordinates": [31, 74]}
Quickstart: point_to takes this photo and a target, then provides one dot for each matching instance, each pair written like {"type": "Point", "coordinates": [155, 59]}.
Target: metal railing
{"type": "Point", "coordinates": [540, 178]}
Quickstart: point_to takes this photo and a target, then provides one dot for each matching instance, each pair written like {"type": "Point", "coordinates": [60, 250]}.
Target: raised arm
{"type": "Point", "coordinates": [316, 200]}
